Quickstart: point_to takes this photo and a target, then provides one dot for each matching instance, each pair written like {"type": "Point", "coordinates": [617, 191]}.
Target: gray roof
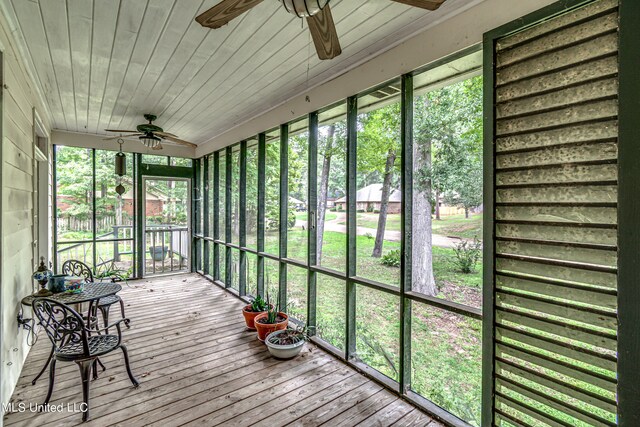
{"type": "Point", "coordinates": [373, 193]}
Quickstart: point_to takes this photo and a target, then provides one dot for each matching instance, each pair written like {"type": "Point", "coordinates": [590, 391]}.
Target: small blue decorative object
{"type": "Point", "coordinates": [56, 283]}
{"type": "Point", "coordinates": [42, 275]}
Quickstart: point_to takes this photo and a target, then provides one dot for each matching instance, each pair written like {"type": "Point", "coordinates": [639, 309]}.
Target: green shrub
{"type": "Point", "coordinates": [391, 258]}
{"type": "Point", "coordinates": [291, 218]}
{"type": "Point", "coordinates": [369, 208]}
{"type": "Point", "coordinates": [467, 253]}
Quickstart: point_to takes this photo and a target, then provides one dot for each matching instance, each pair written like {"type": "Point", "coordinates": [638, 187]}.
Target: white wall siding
{"type": "Point", "coordinates": [17, 228]}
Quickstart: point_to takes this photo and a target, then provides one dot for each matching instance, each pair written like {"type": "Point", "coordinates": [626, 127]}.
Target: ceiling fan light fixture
{"type": "Point", "coordinates": [304, 8]}
{"type": "Point", "coordinates": [150, 140]}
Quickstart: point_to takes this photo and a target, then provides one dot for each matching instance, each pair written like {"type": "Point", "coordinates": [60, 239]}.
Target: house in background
{"type": "Point", "coordinates": [154, 204]}
{"type": "Point", "coordinates": [298, 205]}
{"type": "Point", "coordinates": [368, 199]}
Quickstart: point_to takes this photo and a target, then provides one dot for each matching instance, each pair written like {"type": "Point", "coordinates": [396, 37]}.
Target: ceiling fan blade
{"type": "Point", "coordinates": [424, 4]}
{"type": "Point", "coordinates": [179, 141]}
{"type": "Point", "coordinates": [323, 32]}
{"type": "Point", "coordinates": [224, 12]}
{"type": "Point", "coordinates": [123, 137]}
{"type": "Point", "coordinates": [117, 130]}
{"type": "Point", "coordinates": [165, 134]}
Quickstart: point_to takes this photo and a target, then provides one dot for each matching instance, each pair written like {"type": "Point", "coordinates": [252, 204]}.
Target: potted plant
{"type": "Point", "coordinates": [108, 271]}
{"type": "Point", "coordinates": [250, 311]}
{"type": "Point", "coordinates": [158, 253]}
{"type": "Point", "coordinates": [287, 343]}
{"type": "Point", "coordinates": [269, 321]}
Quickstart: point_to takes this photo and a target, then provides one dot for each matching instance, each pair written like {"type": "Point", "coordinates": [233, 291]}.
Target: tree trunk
{"type": "Point", "coordinates": [422, 259]}
{"type": "Point", "coordinates": [119, 207]}
{"type": "Point", "coordinates": [384, 204]}
{"type": "Point", "coordinates": [466, 212]}
{"type": "Point", "coordinates": [322, 193]}
{"type": "Point", "coordinates": [437, 205]}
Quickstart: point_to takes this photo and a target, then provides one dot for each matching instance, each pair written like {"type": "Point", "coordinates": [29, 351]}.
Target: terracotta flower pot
{"type": "Point", "coordinates": [249, 316]}
{"type": "Point", "coordinates": [265, 329]}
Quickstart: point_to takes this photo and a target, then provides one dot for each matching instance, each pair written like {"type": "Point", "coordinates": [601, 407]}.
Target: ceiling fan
{"type": "Point", "coordinates": [317, 12]}
{"type": "Point", "coordinates": [150, 135]}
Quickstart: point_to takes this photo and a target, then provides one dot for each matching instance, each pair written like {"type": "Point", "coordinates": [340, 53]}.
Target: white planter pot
{"type": "Point", "coordinates": [283, 351]}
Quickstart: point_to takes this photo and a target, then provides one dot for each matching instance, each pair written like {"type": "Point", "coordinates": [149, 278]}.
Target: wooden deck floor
{"type": "Point", "coordinates": [198, 365]}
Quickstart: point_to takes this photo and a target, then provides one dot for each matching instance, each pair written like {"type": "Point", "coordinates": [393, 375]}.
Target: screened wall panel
{"type": "Point", "coordinates": [252, 195]}
{"type": "Point", "coordinates": [331, 190]}
{"type": "Point", "coordinates": [555, 190]}
{"type": "Point", "coordinates": [297, 168]}
{"type": "Point", "coordinates": [235, 195]}
{"type": "Point", "coordinates": [272, 196]}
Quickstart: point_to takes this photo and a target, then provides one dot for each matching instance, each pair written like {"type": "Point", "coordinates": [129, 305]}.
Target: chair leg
{"type": "Point", "coordinates": [105, 316]}
{"type": "Point", "coordinates": [134, 381]}
{"type": "Point", "coordinates": [126, 322]}
{"type": "Point", "coordinates": [52, 375]}
{"type": "Point", "coordinates": [85, 372]}
{"type": "Point", "coordinates": [94, 368]}
{"type": "Point", "coordinates": [44, 368]}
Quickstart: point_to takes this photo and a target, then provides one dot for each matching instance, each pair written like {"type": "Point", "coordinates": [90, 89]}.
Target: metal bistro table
{"type": "Point", "coordinates": [92, 293]}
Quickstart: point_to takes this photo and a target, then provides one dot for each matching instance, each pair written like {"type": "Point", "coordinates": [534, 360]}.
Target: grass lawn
{"type": "Point", "coordinates": [452, 226]}
{"type": "Point", "coordinates": [328, 216]}
{"type": "Point", "coordinates": [459, 226]}
{"type": "Point", "coordinates": [370, 220]}
{"type": "Point", "coordinates": [74, 236]}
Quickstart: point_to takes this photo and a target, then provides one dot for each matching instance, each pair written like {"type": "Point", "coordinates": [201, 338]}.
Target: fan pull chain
{"type": "Point", "coordinates": [308, 55]}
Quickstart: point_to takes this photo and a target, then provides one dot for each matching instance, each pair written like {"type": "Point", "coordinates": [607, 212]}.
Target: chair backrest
{"type": "Point", "coordinates": [77, 268]}
{"type": "Point", "coordinates": [62, 324]}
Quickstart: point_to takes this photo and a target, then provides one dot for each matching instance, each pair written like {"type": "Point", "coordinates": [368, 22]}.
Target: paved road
{"type": "Point", "coordinates": [390, 235]}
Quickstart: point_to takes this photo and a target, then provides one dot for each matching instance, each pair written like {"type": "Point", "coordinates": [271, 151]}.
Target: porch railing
{"type": "Point", "coordinates": [166, 248]}
{"type": "Point", "coordinates": [120, 235]}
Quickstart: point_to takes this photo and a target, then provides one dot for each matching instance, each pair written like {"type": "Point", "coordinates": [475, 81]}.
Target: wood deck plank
{"type": "Point", "coordinates": [387, 415]}
{"type": "Point", "coordinates": [339, 405]}
{"type": "Point", "coordinates": [198, 365]}
{"type": "Point", "coordinates": [416, 418]}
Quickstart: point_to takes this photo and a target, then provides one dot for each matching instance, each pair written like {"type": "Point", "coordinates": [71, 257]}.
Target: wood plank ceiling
{"type": "Point", "coordinates": [104, 63]}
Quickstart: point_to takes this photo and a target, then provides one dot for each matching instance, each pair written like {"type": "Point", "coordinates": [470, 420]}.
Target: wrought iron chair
{"type": "Point", "coordinates": [78, 268]}
{"type": "Point", "coordinates": [73, 342]}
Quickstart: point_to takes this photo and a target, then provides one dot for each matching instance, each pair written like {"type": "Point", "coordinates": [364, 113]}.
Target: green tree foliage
{"type": "Point", "coordinates": [74, 181]}
{"type": "Point", "coordinates": [378, 157]}
{"type": "Point", "coordinates": [332, 172]}
{"type": "Point", "coordinates": [448, 122]}
{"type": "Point", "coordinates": [272, 185]}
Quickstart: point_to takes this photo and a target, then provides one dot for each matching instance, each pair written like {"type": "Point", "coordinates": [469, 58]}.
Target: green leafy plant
{"type": "Point", "coordinates": [109, 270]}
{"type": "Point", "coordinates": [272, 311]}
{"type": "Point", "coordinates": [291, 335]}
{"type": "Point", "coordinates": [258, 304]}
{"type": "Point", "coordinates": [467, 254]}
{"type": "Point", "coordinates": [391, 258]}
